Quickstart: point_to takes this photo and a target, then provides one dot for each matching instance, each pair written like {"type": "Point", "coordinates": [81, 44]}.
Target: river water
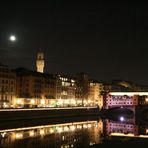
{"type": "Point", "coordinates": [74, 132]}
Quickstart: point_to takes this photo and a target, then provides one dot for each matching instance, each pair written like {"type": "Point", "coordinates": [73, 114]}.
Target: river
{"type": "Point", "coordinates": [73, 132]}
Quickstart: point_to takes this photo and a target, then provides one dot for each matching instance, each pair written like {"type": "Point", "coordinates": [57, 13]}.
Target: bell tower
{"type": "Point", "coordinates": [40, 61]}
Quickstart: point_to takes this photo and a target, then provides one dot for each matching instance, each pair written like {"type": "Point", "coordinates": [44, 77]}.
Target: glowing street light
{"type": "Point", "coordinates": [32, 101]}
{"type": "Point", "coordinates": [43, 102]}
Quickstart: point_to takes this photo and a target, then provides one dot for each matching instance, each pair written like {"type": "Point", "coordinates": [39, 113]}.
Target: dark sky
{"type": "Point", "coordinates": [108, 40]}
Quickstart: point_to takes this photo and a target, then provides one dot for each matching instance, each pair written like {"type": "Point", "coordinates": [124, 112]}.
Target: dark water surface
{"type": "Point", "coordinates": [74, 132]}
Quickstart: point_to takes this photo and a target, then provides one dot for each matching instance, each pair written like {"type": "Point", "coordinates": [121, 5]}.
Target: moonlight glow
{"type": "Point", "coordinates": [12, 38]}
{"type": "Point", "coordinates": [122, 119]}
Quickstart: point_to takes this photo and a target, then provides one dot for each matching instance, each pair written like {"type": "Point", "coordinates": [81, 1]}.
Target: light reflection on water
{"type": "Point", "coordinates": [73, 134]}
{"type": "Point", "coordinates": [57, 135]}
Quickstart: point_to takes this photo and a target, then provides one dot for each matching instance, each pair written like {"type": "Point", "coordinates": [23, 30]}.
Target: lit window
{"type": "Point", "coordinates": [63, 83]}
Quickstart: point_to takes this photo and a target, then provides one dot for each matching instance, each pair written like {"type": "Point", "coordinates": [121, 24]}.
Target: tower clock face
{"type": "Point", "coordinates": [40, 62]}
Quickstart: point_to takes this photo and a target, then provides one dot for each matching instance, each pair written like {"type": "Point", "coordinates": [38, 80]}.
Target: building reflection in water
{"type": "Point", "coordinates": [75, 134]}
{"type": "Point", "coordinates": [127, 129]}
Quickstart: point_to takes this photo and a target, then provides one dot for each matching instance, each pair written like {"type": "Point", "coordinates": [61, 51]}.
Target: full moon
{"type": "Point", "coordinates": [12, 38]}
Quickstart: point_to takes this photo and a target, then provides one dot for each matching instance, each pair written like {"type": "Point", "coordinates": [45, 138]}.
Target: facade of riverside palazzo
{"type": "Point", "coordinates": [65, 91]}
{"type": "Point", "coordinates": [44, 90]}
{"type": "Point", "coordinates": [25, 88]}
{"type": "Point", "coordinates": [7, 86]}
{"type": "Point", "coordinates": [94, 94]}
{"type": "Point", "coordinates": [82, 90]}
{"type": "Point", "coordinates": [34, 88]}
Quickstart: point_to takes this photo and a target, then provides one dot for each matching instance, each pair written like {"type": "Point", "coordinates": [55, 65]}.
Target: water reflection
{"type": "Point", "coordinates": [75, 134]}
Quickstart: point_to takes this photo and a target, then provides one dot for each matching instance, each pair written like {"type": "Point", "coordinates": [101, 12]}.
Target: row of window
{"type": "Point", "coordinates": [5, 97]}
{"type": "Point", "coordinates": [4, 89]}
{"type": "Point", "coordinates": [120, 100]}
{"type": "Point", "coordinates": [120, 97]}
{"type": "Point", "coordinates": [6, 81]}
{"type": "Point", "coordinates": [121, 103]}
{"type": "Point", "coordinates": [120, 125]}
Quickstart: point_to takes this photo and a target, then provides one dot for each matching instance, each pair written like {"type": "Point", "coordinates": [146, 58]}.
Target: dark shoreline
{"type": "Point", "coordinates": [45, 121]}
{"type": "Point", "coordinates": [46, 113]}
{"type": "Point", "coordinates": [16, 119]}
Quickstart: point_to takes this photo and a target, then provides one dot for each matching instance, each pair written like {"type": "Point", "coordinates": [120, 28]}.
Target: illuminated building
{"type": "Point", "coordinates": [82, 88]}
{"type": "Point", "coordinates": [7, 86]}
{"type": "Point", "coordinates": [44, 90]}
{"type": "Point", "coordinates": [34, 88]}
{"type": "Point", "coordinates": [143, 101]}
{"type": "Point", "coordinates": [88, 92]}
{"type": "Point", "coordinates": [47, 90]}
{"type": "Point", "coordinates": [100, 102]}
{"type": "Point", "coordinates": [65, 91]}
{"type": "Point", "coordinates": [95, 89]}
{"type": "Point", "coordinates": [40, 62]}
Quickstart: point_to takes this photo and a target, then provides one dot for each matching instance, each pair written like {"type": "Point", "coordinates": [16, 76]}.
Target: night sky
{"type": "Point", "coordinates": [108, 40]}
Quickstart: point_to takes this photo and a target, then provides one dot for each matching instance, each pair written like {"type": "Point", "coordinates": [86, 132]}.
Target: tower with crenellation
{"type": "Point", "coordinates": [40, 62]}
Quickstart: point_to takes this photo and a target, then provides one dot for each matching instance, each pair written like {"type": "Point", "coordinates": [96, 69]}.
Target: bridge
{"type": "Point", "coordinates": [123, 99]}
{"type": "Point", "coordinates": [132, 101]}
